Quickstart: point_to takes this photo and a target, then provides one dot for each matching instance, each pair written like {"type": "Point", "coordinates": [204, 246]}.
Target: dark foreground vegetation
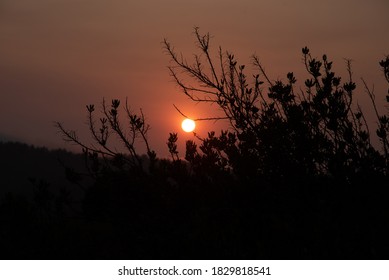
{"type": "Point", "coordinates": [296, 176]}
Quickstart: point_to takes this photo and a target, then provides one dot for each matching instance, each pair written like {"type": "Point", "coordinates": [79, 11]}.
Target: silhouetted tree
{"type": "Point", "coordinates": [111, 124]}
{"type": "Point", "coordinates": [280, 132]}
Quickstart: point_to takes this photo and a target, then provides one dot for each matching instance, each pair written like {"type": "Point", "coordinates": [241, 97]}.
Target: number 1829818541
{"type": "Point", "coordinates": [231, 270]}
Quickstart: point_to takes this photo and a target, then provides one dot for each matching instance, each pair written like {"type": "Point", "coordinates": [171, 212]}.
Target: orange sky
{"type": "Point", "coordinates": [56, 56]}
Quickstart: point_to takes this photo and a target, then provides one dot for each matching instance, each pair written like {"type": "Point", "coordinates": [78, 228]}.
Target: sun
{"type": "Point", "coordinates": [188, 125]}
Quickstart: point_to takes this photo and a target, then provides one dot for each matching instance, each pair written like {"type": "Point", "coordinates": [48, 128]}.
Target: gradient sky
{"type": "Point", "coordinates": [56, 56]}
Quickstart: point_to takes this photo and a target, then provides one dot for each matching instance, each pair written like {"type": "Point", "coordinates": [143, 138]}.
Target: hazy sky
{"type": "Point", "coordinates": [56, 56]}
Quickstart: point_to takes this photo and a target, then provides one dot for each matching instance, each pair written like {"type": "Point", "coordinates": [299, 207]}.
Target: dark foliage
{"type": "Point", "coordinates": [296, 176]}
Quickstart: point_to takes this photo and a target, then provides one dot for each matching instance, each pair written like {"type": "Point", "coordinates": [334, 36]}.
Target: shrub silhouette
{"type": "Point", "coordinates": [282, 133]}
{"type": "Point", "coordinates": [295, 177]}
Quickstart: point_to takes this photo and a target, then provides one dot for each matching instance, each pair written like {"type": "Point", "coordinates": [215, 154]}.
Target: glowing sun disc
{"type": "Point", "coordinates": [188, 125]}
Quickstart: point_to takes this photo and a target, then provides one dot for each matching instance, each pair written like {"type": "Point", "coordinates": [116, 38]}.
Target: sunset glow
{"type": "Point", "coordinates": [188, 125]}
{"type": "Point", "coordinates": [79, 53]}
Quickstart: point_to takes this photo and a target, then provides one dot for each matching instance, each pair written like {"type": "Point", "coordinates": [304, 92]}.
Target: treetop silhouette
{"type": "Point", "coordinates": [279, 130]}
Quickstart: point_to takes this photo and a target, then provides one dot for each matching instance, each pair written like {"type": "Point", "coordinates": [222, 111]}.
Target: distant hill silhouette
{"type": "Point", "coordinates": [7, 138]}
{"type": "Point", "coordinates": [20, 164]}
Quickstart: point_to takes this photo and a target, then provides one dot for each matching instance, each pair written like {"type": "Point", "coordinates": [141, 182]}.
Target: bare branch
{"type": "Point", "coordinates": [200, 119]}
{"type": "Point", "coordinates": [261, 69]}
